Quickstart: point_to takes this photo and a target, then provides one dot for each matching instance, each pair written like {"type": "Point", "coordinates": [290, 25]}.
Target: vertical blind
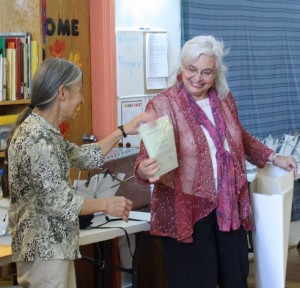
{"type": "Point", "coordinates": [263, 38]}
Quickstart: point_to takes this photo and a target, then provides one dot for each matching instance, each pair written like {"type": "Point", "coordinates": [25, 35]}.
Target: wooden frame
{"type": "Point", "coordinates": [103, 68]}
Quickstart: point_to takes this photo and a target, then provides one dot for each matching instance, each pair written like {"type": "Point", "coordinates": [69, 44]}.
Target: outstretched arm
{"type": "Point", "coordinates": [130, 128]}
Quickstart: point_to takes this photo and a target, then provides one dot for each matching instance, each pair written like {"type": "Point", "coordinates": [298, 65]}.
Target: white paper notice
{"type": "Point", "coordinates": [156, 60]}
{"type": "Point", "coordinates": [156, 83]}
{"type": "Point", "coordinates": [159, 141]}
{"type": "Point", "coordinates": [156, 55]}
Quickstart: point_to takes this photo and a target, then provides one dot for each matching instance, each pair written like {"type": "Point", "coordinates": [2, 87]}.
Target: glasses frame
{"type": "Point", "coordinates": [203, 73]}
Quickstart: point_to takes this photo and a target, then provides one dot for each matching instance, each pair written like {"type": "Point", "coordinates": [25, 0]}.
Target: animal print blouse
{"type": "Point", "coordinates": [43, 215]}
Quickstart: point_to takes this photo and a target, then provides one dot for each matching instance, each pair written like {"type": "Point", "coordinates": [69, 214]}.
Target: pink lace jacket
{"type": "Point", "coordinates": [187, 194]}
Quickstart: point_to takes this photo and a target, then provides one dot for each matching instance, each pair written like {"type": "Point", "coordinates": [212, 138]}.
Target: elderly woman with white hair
{"type": "Point", "coordinates": [201, 210]}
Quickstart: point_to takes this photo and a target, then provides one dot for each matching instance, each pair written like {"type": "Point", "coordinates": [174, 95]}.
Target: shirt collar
{"type": "Point", "coordinates": [44, 122]}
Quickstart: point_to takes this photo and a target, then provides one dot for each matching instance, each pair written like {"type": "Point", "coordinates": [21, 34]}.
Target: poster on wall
{"type": "Point", "coordinates": [129, 109]}
{"type": "Point", "coordinates": [130, 63]}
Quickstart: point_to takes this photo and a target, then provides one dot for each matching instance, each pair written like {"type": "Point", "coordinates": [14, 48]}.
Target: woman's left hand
{"type": "Point", "coordinates": [286, 162]}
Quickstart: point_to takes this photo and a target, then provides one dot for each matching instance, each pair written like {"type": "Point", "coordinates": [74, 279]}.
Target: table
{"type": "Point", "coordinates": [88, 236]}
{"type": "Point", "coordinates": [92, 236]}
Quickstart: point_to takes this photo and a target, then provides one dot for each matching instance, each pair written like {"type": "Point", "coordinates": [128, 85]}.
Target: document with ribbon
{"type": "Point", "coordinates": [159, 141]}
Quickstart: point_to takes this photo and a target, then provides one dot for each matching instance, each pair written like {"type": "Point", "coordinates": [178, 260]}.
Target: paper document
{"type": "Point", "coordinates": [156, 55]}
{"type": "Point", "coordinates": [159, 141]}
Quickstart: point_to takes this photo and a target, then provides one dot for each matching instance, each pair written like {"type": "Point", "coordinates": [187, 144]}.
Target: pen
{"type": "Point", "coordinates": [4, 219]}
{"type": "Point", "coordinates": [125, 180]}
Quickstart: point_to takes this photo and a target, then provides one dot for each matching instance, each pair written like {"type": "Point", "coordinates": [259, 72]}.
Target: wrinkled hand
{"type": "Point", "coordinates": [132, 127]}
{"type": "Point", "coordinates": [287, 162]}
{"type": "Point", "coordinates": [119, 207]}
{"type": "Point", "coordinates": [147, 169]}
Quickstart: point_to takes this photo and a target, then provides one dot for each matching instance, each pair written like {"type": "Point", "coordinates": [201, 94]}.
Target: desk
{"type": "Point", "coordinates": [90, 236]}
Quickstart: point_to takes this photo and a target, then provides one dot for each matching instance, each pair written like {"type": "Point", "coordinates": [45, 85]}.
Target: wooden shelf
{"type": "Point", "coordinates": [9, 107]}
{"type": "Point", "coordinates": [2, 154]}
{"type": "Point", "coordinates": [14, 102]}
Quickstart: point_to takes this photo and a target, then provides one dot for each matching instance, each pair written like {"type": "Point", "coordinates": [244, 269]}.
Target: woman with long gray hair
{"type": "Point", "coordinates": [43, 213]}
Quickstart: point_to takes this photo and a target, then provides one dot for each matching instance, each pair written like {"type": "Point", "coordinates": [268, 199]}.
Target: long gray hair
{"type": "Point", "coordinates": [50, 75]}
{"type": "Point", "coordinates": [209, 46]}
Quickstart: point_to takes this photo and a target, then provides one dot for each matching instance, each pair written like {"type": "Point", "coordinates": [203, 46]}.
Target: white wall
{"type": "Point", "coordinates": [157, 15]}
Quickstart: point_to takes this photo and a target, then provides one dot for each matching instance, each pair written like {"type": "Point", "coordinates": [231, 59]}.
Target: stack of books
{"type": "Point", "coordinates": [17, 65]}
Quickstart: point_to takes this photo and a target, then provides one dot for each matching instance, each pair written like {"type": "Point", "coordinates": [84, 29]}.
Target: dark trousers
{"type": "Point", "coordinates": [213, 258]}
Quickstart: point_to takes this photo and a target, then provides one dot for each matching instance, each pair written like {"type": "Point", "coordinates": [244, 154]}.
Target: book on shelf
{"type": "Point", "coordinates": [1, 85]}
{"type": "Point", "coordinates": [9, 74]}
{"type": "Point", "coordinates": [15, 43]}
{"type": "Point", "coordinates": [24, 68]}
{"type": "Point", "coordinates": [15, 49]}
{"type": "Point", "coordinates": [3, 69]}
{"type": "Point", "coordinates": [34, 57]}
{"type": "Point", "coordinates": [8, 119]}
{"type": "Point", "coordinates": [12, 62]}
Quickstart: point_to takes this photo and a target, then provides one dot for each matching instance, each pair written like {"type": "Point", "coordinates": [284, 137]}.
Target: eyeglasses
{"type": "Point", "coordinates": [206, 73]}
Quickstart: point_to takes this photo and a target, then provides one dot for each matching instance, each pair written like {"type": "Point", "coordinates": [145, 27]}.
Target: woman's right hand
{"type": "Point", "coordinates": [118, 206]}
{"type": "Point", "coordinates": [147, 169]}
{"type": "Point", "coordinates": [133, 126]}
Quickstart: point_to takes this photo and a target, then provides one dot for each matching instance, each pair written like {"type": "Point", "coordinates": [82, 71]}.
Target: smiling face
{"type": "Point", "coordinates": [73, 98]}
{"type": "Point", "coordinates": [199, 76]}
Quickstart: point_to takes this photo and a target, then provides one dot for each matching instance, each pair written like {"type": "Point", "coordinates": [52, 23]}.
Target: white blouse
{"type": "Point", "coordinates": [204, 105]}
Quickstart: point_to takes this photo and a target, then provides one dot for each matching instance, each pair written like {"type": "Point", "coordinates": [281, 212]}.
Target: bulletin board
{"type": "Point", "coordinates": [130, 60]}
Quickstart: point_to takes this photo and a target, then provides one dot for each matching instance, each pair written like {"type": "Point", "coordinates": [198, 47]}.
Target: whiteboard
{"type": "Point", "coordinates": [130, 63]}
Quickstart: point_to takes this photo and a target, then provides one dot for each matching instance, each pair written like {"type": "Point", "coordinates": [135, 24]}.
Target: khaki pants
{"type": "Point", "coordinates": [46, 274]}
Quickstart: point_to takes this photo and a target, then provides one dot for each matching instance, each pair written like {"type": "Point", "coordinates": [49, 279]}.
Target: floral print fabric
{"type": "Point", "coordinates": [43, 214]}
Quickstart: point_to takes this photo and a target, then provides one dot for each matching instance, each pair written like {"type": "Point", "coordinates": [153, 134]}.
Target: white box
{"type": "Point", "coordinates": [271, 196]}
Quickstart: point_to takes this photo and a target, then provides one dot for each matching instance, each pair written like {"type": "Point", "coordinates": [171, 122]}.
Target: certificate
{"type": "Point", "coordinates": [159, 141]}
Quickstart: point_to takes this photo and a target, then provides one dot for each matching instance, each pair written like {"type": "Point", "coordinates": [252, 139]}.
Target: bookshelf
{"type": "Point", "coordinates": [13, 106]}
{"type": "Point", "coordinates": [26, 19]}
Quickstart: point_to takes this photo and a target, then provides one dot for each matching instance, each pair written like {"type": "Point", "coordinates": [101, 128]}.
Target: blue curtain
{"type": "Point", "coordinates": [263, 62]}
